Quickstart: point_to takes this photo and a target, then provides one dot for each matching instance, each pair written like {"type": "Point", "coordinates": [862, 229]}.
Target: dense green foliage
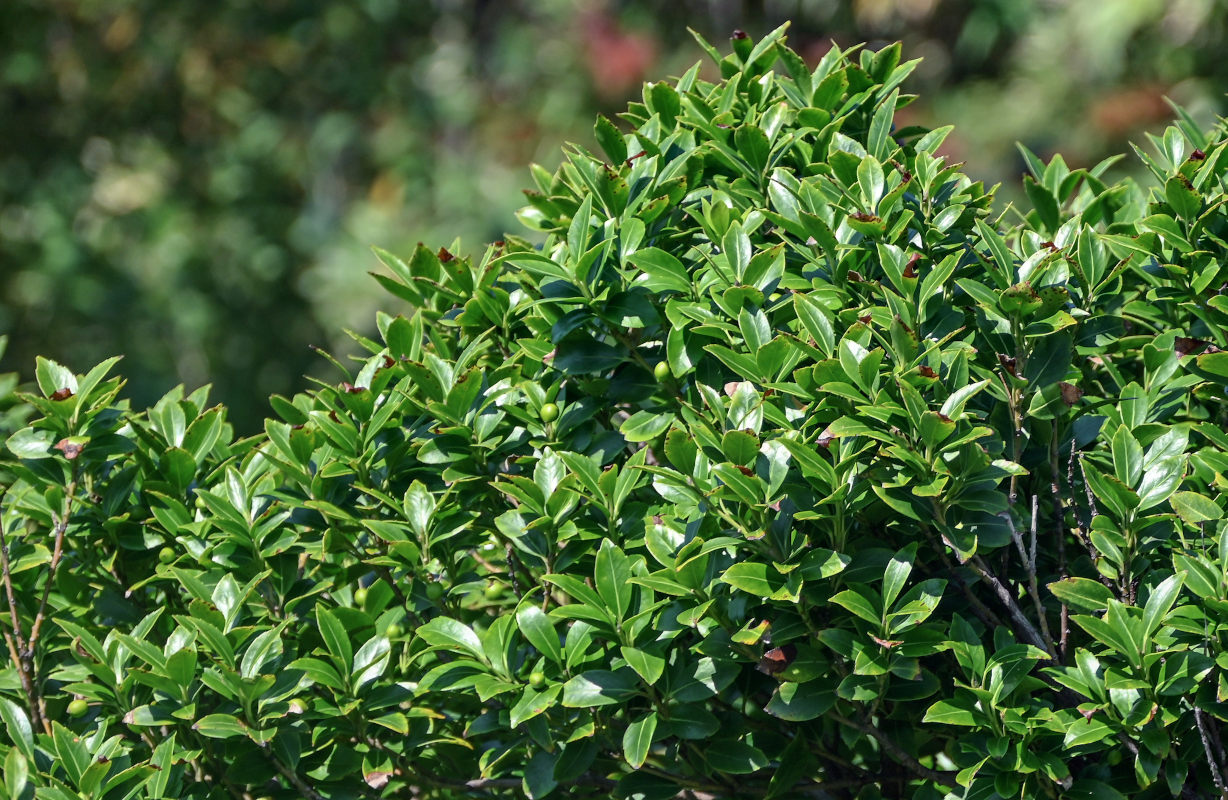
{"type": "Point", "coordinates": [194, 184]}
{"type": "Point", "coordinates": [924, 501]}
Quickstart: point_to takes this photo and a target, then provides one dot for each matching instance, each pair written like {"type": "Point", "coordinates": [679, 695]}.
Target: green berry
{"type": "Point", "coordinates": [494, 590]}
{"type": "Point", "coordinates": [661, 370]}
{"type": "Point", "coordinates": [360, 597]}
{"type": "Point", "coordinates": [166, 555]}
{"type": "Point", "coordinates": [549, 412]}
{"type": "Point", "coordinates": [434, 590]}
{"type": "Point", "coordinates": [299, 706]}
{"type": "Point", "coordinates": [77, 708]}
{"type": "Point", "coordinates": [394, 631]}
{"type": "Point", "coordinates": [537, 680]}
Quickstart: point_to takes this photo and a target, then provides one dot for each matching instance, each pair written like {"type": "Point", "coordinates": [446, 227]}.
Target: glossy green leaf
{"type": "Point", "coordinates": [452, 634]}
{"type": "Point", "coordinates": [1082, 594]}
{"type": "Point", "coordinates": [945, 712]}
{"type": "Point", "coordinates": [219, 726]}
{"type": "Point", "coordinates": [539, 630]}
{"type": "Point", "coordinates": [598, 688]}
{"type": "Point", "coordinates": [1194, 508]}
{"type": "Point", "coordinates": [637, 739]}
{"type": "Point", "coordinates": [336, 639]}
{"type": "Point", "coordinates": [644, 426]}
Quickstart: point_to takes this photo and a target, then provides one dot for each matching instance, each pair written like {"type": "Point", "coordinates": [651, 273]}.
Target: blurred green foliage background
{"type": "Point", "coordinates": [196, 184]}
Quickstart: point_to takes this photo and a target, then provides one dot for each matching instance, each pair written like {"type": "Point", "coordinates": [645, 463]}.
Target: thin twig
{"type": "Point", "coordinates": [36, 629]}
{"type": "Point", "coordinates": [1028, 556]}
{"type": "Point", "coordinates": [16, 642]}
{"type": "Point", "coordinates": [304, 789]}
{"type": "Point", "coordinates": [1022, 623]}
{"type": "Point", "coordinates": [1212, 764]}
{"type": "Point", "coordinates": [899, 755]}
{"type": "Point", "coordinates": [1083, 525]}
{"type": "Point", "coordinates": [1059, 511]}
{"type": "Point", "coordinates": [1215, 740]}
{"type": "Point", "coordinates": [983, 612]}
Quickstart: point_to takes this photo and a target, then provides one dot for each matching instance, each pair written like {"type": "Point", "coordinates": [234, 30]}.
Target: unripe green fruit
{"type": "Point", "coordinates": [77, 708]}
{"type": "Point", "coordinates": [360, 597]}
{"type": "Point", "coordinates": [661, 370]}
{"type": "Point", "coordinates": [549, 412]}
{"type": "Point", "coordinates": [537, 680]}
{"type": "Point", "coordinates": [434, 590]}
{"type": "Point", "coordinates": [494, 590]}
{"type": "Point", "coordinates": [166, 555]}
{"type": "Point", "coordinates": [299, 706]}
{"type": "Point", "coordinates": [394, 631]}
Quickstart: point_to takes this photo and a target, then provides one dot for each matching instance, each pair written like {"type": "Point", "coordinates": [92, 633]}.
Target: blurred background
{"type": "Point", "coordinates": [196, 184]}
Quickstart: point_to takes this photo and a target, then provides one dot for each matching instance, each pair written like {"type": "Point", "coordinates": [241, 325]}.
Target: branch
{"type": "Point", "coordinates": [14, 639]}
{"type": "Point", "coordinates": [1059, 510]}
{"type": "Point", "coordinates": [1028, 556]}
{"type": "Point", "coordinates": [1083, 524]}
{"type": "Point", "coordinates": [1022, 623]}
{"type": "Point", "coordinates": [698, 790]}
{"type": "Point", "coordinates": [892, 749]}
{"type": "Point", "coordinates": [487, 784]}
{"type": "Point", "coordinates": [304, 788]}
{"type": "Point", "coordinates": [1212, 764]}
{"type": "Point", "coordinates": [61, 528]}
{"type": "Point", "coordinates": [983, 612]}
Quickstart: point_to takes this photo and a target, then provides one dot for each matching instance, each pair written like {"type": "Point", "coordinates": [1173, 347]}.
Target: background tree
{"type": "Point", "coordinates": [195, 184]}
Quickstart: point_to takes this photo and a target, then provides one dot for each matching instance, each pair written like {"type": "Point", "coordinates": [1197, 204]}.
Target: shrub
{"type": "Point", "coordinates": [924, 502]}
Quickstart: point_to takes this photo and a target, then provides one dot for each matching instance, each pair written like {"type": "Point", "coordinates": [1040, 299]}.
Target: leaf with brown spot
{"type": "Point", "coordinates": [377, 779]}
{"type": "Point", "coordinates": [1186, 346]}
{"type": "Point", "coordinates": [69, 448]}
{"type": "Point", "coordinates": [1070, 393]}
{"type": "Point", "coordinates": [778, 659]}
{"type": "Point", "coordinates": [61, 394]}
